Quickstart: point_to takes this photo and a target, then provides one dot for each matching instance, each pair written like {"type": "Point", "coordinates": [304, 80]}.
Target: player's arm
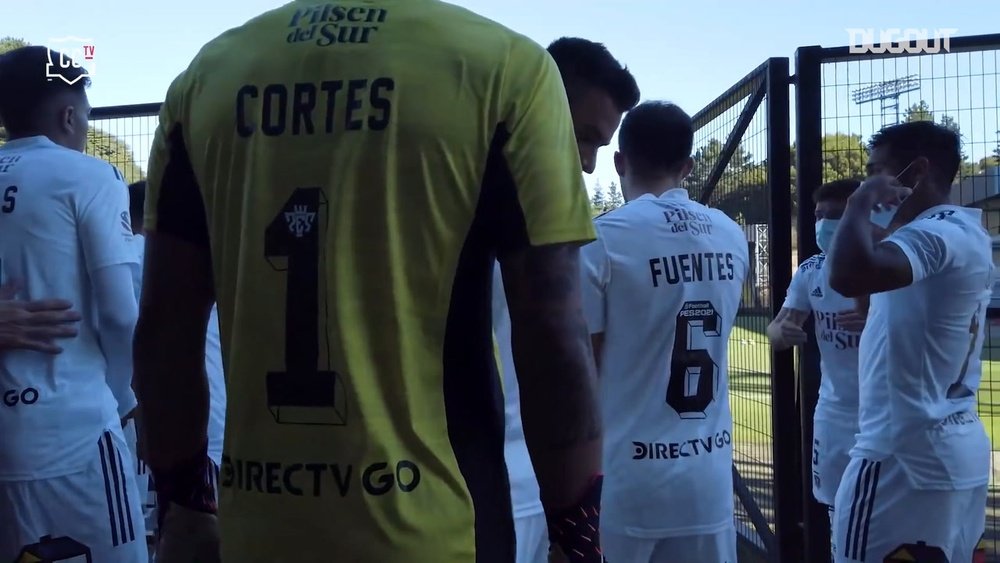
{"type": "Point", "coordinates": [595, 273]}
{"type": "Point", "coordinates": [543, 218]}
{"type": "Point", "coordinates": [862, 264]}
{"type": "Point", "coordinates": [174, 311]}
{"type": "Point", "coordinates": [105, 239]}
{"type": "Point", "coordinates": [785, 330]}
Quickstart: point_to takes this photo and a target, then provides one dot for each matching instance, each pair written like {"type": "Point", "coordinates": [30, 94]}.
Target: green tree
{"type": "Point", "coordinates": [614, 199]}
{"type": "Point", "coordinates": [986, 162]}
{"type": "Point", "coordinates": [101, 144]}
{"type": "Point", "coordinates": [919, 111]}
{"type": "Point", "coordinates": [107, 147]}
{"type": "Point", "coordinates": [597, 200]}
{"type": "Point", "coordinates": [844, 156]}
{"type": "Point", "coordinates": [950, 123]}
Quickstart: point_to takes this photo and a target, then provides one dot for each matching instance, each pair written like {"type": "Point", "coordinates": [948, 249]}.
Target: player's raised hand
{"type": "Point", "coordinates": [34, 325]}
{"type": "Point", "coordinates": [880, 192]}
{"type": "Point", "coordinates": [851, 320]}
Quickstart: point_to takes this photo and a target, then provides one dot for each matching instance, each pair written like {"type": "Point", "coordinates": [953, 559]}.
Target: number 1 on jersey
{"type": "Point", "coordinates": [689, 364]}
{"type": "Point", "coordinates": [959, 389]}
{"type": "Point", "coordinates": [303, 393]}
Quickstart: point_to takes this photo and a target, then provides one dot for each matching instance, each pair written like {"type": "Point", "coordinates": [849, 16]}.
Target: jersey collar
{"type": "Point", "coordinates": [27, 142]}
{"type": "Point", "coordinates": [971, 211]}
{"type": "Point", "coordinates": [672, 193]}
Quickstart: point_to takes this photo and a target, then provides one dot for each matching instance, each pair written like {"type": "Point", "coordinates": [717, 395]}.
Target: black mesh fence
{"type": "Point", "coordinates": [123, 135]}
{"type": "Point", "coordinates": [731, 173]}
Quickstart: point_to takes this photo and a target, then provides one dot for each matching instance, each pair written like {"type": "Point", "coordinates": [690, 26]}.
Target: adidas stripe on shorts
{"type": "Point", "coordinates": [881, 516]}
{"type": "Point", "coordinates": [96, 512]}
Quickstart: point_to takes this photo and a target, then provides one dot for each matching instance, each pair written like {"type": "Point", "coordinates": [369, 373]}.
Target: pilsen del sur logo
{"type": "Point", "coordinates": [332, 24]}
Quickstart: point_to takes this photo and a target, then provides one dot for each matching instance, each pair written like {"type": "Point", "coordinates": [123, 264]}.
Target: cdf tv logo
{"type": "Point", "coordinates": [67, 52]}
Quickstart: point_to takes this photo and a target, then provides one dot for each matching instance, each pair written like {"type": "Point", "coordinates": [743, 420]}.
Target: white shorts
{"type": "Point", "coordinates": [93, 515]}
{"type": "Point", "coordinates": [880, 515]}
{"type": "Point", "coordinates": [832, 445]}
{"type": "Point", "coordinates": [719, 547]}
{"type": "Point", "coordinates": [532, 534]}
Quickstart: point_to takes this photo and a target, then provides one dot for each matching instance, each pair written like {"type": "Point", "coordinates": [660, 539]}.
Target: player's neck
{"type": "Point", "coordinates": [32, 134]}
{"type": "Point", "coordinates": [918, 203]}
{"type": "Point", "coordinates": [654, 188]}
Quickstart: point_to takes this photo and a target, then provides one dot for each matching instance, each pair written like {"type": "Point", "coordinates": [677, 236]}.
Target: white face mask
{"type": "Point", "coordinates": [883, 216]}
{"type": "Point", "coordinates": [825, 229]}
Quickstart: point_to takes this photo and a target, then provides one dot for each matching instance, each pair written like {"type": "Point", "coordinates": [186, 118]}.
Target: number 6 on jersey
{"type": "Point", "coordinates": [302, 393]}
{"type": "Point", "coordinates": [690, 366]}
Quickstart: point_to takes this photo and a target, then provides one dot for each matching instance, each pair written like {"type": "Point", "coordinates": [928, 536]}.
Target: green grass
{"type": "Point", "coordinates": [750, 382]}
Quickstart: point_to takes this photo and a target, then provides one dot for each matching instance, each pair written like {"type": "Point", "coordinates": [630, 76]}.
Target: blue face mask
{"type": "Point", "coordinates": [825, 228]}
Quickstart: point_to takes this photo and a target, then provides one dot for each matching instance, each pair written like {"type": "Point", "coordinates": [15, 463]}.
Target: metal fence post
{"type": "Point", "coordinates": [784, 416]}
{"type": "Point", "coordinates": [809, 175]}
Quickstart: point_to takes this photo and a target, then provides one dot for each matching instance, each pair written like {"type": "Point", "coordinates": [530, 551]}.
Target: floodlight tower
{"type": "Point", "coordinates": [887, 92]}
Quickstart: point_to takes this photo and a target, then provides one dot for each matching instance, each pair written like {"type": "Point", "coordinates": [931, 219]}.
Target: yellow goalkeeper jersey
{"type": "Point", "coordinates": [360, 164]}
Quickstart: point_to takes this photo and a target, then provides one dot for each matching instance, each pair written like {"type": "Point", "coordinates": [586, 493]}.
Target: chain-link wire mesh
{"type": "Point", "coordinates": [743, 193]}
{"type": "Point", "coordinates": [123, 136]}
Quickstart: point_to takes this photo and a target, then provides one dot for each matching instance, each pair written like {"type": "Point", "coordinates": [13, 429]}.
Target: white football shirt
{"type": "Point", "coordinates": [520, 472]}
{"type": "Point", "coordinates": [213, 366]}
{"type": "Point", "coordinates": [663, 283]}
{"type": "Point", "coordinates": [810, 292]}
{"type": "Point", "coordinates": [63, 216]}
{"type": "Point", "coordinates": [920, 354]}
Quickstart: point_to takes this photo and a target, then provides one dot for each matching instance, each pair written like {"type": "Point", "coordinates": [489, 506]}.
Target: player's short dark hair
{"type": "Point", "coordinates": [908, 141]}
{"type": "Point", "coordinates": [137, 201]}
{"type": "Point", "coordinates": [656, 137]}
{"type": "Point", "coordinates": [837, 190]}
{"type": "Point", "coordinates": [24, 86]}
{"type": "Point", "coordinates": [585, 63]}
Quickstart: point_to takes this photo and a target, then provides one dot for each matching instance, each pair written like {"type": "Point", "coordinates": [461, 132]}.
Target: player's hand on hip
{"type": "Point", "coordinates": [34, 325]}
{"type": "Point", "coordinates": [851, 320]}
{"type": "Point", "coordinates": [188, 536]}
{"type": "Point", "coordinates": [880, 192]}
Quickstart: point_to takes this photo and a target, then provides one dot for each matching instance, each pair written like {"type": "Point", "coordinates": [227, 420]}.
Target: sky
{"type": "Point", "coordinates": [684, 52]}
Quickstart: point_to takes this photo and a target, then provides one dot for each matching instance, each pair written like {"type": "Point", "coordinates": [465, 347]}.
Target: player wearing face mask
{"type": "Point", "coordinates": [918, 476]}
{"type": "Point", "coordinates": [838, 332]}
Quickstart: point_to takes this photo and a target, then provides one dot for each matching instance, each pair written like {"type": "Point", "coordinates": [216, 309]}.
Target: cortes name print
{"type": "Point", "coordinates": [331, 24]}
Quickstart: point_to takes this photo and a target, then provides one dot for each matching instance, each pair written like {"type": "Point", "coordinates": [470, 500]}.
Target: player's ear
{"type": "Point", "coordinates": [686, 168]}
{"type": "Point", "coordinates": [620, 164]}
{"type": "Point", "coordinates": [921, 167]}
{"type": "Point", "coordinates": [67, 118]}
